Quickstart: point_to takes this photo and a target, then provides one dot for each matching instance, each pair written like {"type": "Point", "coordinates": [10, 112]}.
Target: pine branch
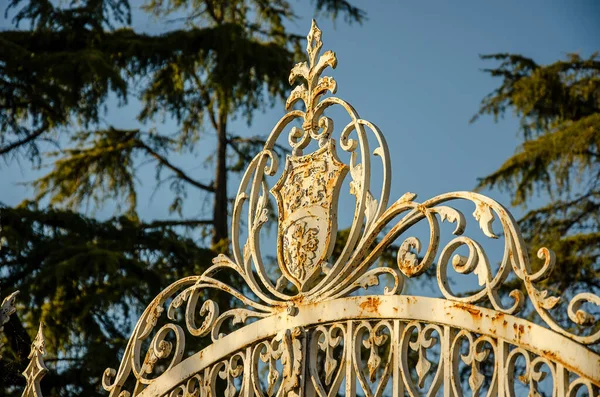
{"type": "Point", "coordinates": [255, 141]}
{"type": "Point", "coordinates": [171, 223]}
{"type": "Point", "coordinates": [245, 156]}
{"type": "Point", "coordinates": [17, 336]}
{"type": "Point", "coordinates": [62, 359]}
{"type": "Point", "coordinates": [29, 138]}
{"type": "Point", "coordinates": [178, 171]}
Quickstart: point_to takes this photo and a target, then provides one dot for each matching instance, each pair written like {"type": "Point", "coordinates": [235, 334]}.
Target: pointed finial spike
{"type": "Point", "coordinates": [36, 369]}
{"type": "Point", "coordinates": [39, 343]}
{"type": "Point", "coordinates": [314, 26]}
{"type": "Point", "coordinates": [314, 43]}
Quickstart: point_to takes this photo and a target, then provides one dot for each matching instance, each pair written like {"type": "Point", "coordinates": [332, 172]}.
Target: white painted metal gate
{"type": "Point", "coordinates": [310, 329]}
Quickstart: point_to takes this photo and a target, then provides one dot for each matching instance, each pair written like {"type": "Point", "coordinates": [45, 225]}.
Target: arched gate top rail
{"type": "Point", "coordinates": [403, 312]}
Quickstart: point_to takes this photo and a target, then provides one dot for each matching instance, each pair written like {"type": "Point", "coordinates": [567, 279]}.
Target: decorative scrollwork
{"type": "Point", "coordinates": [228, 370]}
{"type": "Point", "coordinates": [307, 193]}
{"type": "Point", "coordinates": [326, 339]}
{"type": "Point", "coordinates": [373, 356]}
{"type": "Point", "coordinates": [162, 349]}
{"type": "Point", "coordinates": [425, 341]}
{"type": "Point", "coordinates": [7, 308]}
{"type": "Point", "coordinates": [479, 350]}
{"type": "Point", "coordinates": [532, 373]}
{"type": "Point", "coordinates": [374, 338]}
{"type": "Point", "coordinates": [582, 384]}
{"type": "Point", "coordinates": [287, 348]}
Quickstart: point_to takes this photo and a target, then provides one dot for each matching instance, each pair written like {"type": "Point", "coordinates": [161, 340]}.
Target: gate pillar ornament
{"type": "Point", "coordinates": [36, 369]}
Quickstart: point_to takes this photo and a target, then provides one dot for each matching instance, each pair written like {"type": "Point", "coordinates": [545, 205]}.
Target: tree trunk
{"type": "Point", "coordinates": [220, 218]}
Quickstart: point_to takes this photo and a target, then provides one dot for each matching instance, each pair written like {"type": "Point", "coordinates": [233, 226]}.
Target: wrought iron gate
{"type": "Point", "coordinates": [312, 330]}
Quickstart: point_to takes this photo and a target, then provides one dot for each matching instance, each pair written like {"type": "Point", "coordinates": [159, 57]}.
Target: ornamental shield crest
{"type": "Point", "coordinates": [306, 197]}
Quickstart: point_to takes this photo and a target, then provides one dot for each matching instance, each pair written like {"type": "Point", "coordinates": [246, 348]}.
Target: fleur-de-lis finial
{"type": "Point", "coordinates": [313, 85]}
{"type": "Point", "coordinates": [36, 369]}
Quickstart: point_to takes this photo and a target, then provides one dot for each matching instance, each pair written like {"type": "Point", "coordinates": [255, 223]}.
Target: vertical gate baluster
{"type": "Point", "coordinates": [350, 377]}
{"type": "Point", "coordinates": [446, 344]}
{"type": "Point", "coordinates": [247, 379]}
{"type": "Point", "coordinates": [398, 383]}
{"type": "Point", "coordinates": [502, 352]}
{"type": "Point", "coordinates": [561, 383]}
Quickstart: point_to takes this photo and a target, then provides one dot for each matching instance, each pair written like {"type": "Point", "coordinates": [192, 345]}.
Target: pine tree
{"type": "Point", "coordinates": [559, 110]}
{"type": "Point", "coordinates": [87, 279]}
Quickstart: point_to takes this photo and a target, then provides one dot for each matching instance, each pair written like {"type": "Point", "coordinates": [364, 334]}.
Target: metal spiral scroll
{"type": "Point", "coordinates": [307, 195]}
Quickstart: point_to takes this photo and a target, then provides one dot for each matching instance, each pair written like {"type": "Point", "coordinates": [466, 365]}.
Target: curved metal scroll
{"type": "Point", "coordinates": [6, 309]}
{"type": "Point", "coordinates": [373, 347]}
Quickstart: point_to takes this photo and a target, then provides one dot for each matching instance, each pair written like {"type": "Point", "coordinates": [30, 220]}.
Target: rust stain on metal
{"type": "Point", "coordinates": [371, 304]}
{"type": "Point", "coordinates": [473, 311]}
{"type": "Point", "coordinates": [498, 316]}
{"type": "Point", "coordinates": [552, 356]}
{"type": "Point", "coordinates": [519, 330]}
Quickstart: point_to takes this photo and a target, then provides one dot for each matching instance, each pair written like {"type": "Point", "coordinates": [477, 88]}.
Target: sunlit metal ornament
{"type": "Point", "coordinates": [324, 337]}
{"type": "Point", "coordinates": [320, 339]}
{"type": "Point", "coordinates": [7, 308]}
{"type": "Point", "coordinates": [36, 369]}
{"type": "Point", "coordinates": [307, 197]}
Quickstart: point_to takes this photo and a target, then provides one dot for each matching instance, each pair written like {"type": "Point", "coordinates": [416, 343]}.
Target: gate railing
{"type": "Point", "coordinates": [305, 326]}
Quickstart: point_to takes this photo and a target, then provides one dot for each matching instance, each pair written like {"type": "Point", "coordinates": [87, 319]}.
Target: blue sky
{"type": "Point", "coordinates": [413, 69]}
